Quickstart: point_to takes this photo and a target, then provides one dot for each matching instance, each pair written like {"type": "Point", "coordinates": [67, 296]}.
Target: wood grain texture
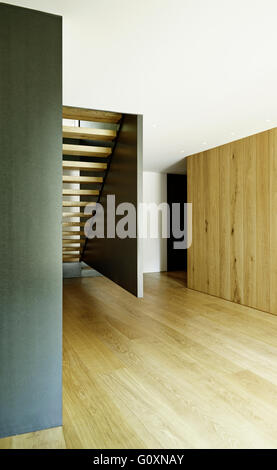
{"type": "Point", "coordinates": [78, 203]}
{"type": "Point", "coordinates": [235, 256]}
{"type": "Point", "coordinates": [80, 192]}
{"type": "Point", "coordinates": [273, 219]}
{"type": "Point", "coordinates": [212, 221]}
{"type": "Point", "coordinates": [82, 179]}
{"type": "Point", "coordinates": [225, 155]}
{"type": "Point", "coordinates": [236, 212]}
{"type": "Point", "coordinates": [163, 371]}
{"type": "Point", "coordinates": [72, 232]}
{"type": "Point", "coordinates": [75, 214]}
{"type": "Point", "coordinates": [86, 150]}
{"type": "Point", "coordinates": [82, 114]}
{"type": "Point", "coordinates": [88, 133]}
{"type": "Point", "coordinates": [73, 224]}
{"type": "Point", "coordinates": [191, 199]}
{"type": "Point", "coordinates": [262, 221]}
{"type": "Point", "coordinates": [84, 166]}
{"type": "Point", "coordinates": [250, 221]}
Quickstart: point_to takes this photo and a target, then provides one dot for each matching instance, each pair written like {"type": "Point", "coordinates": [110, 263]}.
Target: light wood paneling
{"type": "Point", "coordinates": [212, 220]}
{"type": "Point", "coordinates": [250, 221]}
{"type": "Point", "coordinates": [225, 155]}
{"type": "Point", "coordinates": [273, 219]}
{"type": "Point", "coordinates": [236, 212]}
{"type": "Point", "coordinates": [262, 221]}
{"type": "Point", "coordinates": [191, 199]}
{"type": "Point", "coordinates": [234, 189]}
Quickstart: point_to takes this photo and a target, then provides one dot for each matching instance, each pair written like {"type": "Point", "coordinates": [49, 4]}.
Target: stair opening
{"type": "Point", "coordinates": [89, 137]}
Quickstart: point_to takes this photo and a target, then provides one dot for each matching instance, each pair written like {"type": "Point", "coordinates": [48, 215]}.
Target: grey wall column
{"type": "Point", "coordinates": [30, 233]}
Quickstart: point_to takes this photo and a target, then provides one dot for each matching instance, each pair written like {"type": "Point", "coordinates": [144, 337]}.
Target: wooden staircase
{"type": "Point", "coordinates": [87, 152]}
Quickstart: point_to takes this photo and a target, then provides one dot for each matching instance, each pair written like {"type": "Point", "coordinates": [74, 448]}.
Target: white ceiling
{"type": "Point", "coordinates": [202, 72]}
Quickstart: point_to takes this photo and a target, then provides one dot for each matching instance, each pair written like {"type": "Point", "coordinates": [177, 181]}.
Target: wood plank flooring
{"type": "Point", "coordinates": [177, 369]}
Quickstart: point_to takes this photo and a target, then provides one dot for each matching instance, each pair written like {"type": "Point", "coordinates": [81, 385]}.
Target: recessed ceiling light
{"type": "Point", "coordinates": [233, 133]}
{"type": "Point", "coordinates": [154, 125]}
{"type": "Point", "coordinates": [204, 143]}
{"type": "Point", "coordinates": [268, 120]}
{"type": "Point", "coordinates": [182, 151]}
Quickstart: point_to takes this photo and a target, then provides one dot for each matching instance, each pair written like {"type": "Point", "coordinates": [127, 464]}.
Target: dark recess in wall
{"type": "Point", "coordinates": [176, 192]}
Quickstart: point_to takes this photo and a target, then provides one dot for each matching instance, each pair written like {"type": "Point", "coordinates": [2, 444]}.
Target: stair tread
{"type": "Point", "coordinates": [88, 133]}
{"type": "Point", "coordinates": [86, 150]}
{"type": "Point", "coordinates": [78, 203]}
{"type": "Point", "coordinates": [74, 224]}
{"type": "Point", "coordinates": [80, 114]}
{"type": "Point", "coordinates": [76, 214]}
{"type": "Point", "coordinates": [80, 192]}
{"type": "Point", "coordinates": [89, 166]}
{"type": "Point", "coordinates": [72, 233]}
{"type": "Point", "coordinates": [68, 244]}
{"type": "Point", "coordinates": [82, 179]}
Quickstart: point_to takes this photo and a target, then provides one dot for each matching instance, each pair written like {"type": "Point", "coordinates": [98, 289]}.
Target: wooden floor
{"type": "Point", "coordinates": [178, 369]}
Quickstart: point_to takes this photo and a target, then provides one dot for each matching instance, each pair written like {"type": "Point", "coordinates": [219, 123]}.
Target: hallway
{"type": "Point", "coordinates": [177, 369]}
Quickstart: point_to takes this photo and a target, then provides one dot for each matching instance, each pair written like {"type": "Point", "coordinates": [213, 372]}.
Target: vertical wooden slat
{"type": "Point", "coordinates": [249, 221]}
{"type": "Point", "coordinates": [196, 222]}
{"type": "Point", "coordinates": [224, 222]}
{"type": "Point", "coordinates": [190, 196]}
{"type": "Point", "coordinates": [201, 225]}
{"type": "Point", "coordinates": [273, 219]}
{"type": "Point", "coordinates": [211, 194]}
{"type": "Point", "coordinates": [263, 238]}
{"type": "Point", "coordinates": [236, 213]}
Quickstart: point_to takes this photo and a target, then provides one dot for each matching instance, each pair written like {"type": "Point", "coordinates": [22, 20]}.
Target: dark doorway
{"type": "Point", "coordinates": [176, 193]}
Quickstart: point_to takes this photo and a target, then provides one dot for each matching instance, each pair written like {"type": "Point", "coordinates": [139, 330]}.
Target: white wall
{"type": "Point", "coordinates": [154, 250]}
{"type": "Point", "coordinates": [197, 83]}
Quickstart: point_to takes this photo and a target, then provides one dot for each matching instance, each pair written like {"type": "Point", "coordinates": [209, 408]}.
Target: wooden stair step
{"type": "Point", "coordinates": [87, 133]}
{"type": "Point", "coordinates": [71, 259]}
{"type": "Point", "coordinates": [80, 192]}
{"type": "Point", "coordinates": [81, 114]}
{"type": "Point", "coordinates": [71, 251]}
{"type": "Point", "coordinates": [86, 150]}
{"type": "Point", "coordinates": [70, 243]}
{"type": "Point", "coordinates": [76, 214]}
{"type": "Point", "coordinates": [86, 166]}
{"type": "Point", "coordinates": [72, 233]}
{"type": "Point", "coordinates": [82, 179]}
{"type": "Point", "coordinates": [78, 203]}
{"type": "Point", "coordinates": [74, 224]}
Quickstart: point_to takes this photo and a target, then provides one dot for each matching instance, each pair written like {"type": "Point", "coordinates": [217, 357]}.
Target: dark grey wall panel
{"type": "Point", "coordinates": [30, 233]}
{"type": "Point", "coordinates": [119, 259]}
